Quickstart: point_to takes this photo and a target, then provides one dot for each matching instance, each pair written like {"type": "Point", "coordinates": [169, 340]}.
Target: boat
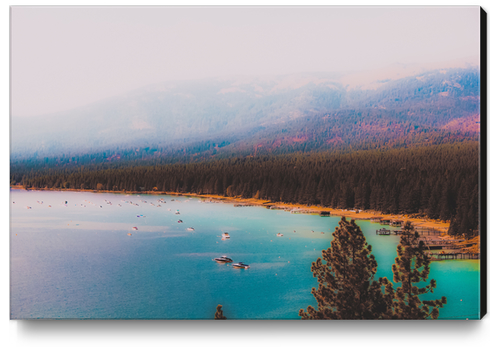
{"type": "Point", "coordinates": [223, 259]}
{"type": "Point", "coordinates": [241, 265]}
{"type": "Point", "coordinates": [177, 212]}
{"type": "Point", "coordinates": [225, 236]}
{"type": "Point", "coordinates": [190, 229]}
{"type": "Point", "coordinates": [135, 228]}
{"type": "Point", "coordinates": [129, 234]}
{"type": "Point", "coordinates": [279, 235]}
{"type": "Point", "coordinates": [179, 221]}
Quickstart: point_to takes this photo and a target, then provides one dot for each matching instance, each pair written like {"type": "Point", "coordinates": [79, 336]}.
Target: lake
{"type": "Point", "coordinates": [71, 257]}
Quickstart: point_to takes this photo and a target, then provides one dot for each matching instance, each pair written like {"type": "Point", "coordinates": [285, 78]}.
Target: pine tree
{"type": "Point", "coordinates": [410, 268]}
{"type": "Point", "coordinates": [219, 313]}
{"type": "Point", "coordinates": [346, 285]}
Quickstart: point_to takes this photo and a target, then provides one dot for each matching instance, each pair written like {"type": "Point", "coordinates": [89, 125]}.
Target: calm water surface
{"type": "Point", "coordinates": [76, 260]}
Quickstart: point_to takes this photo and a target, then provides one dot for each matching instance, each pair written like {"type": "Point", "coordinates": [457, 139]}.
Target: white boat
{"type": "Point", "coordinates": [135, 228]}
{"type": "Point", "coordinates": [225, 236]}
{"type": "Point", "coordinates": [190, 229]}
{"type": "Point", "coordinates": [279, 235]}
{"type": "Point", "coordinates": [241, 265]}
{"type": "Point", "coordinates": [223, 259]}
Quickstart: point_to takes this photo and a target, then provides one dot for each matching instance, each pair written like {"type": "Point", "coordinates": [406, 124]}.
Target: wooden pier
{"type": "Point", "coordinates": [429, 231]}
{"type": "Point", "coordinates": [383, 232]}
{"type": "Point", "coordinates": [453, 255]}
{"type": "Point", "coordinates": [443, 244]}
{"type": "Point", "coordinates": [457, 255]}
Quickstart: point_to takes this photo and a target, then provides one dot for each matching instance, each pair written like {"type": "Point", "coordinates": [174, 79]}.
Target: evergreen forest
{"type": "Point", "coordinates": [438, 182]}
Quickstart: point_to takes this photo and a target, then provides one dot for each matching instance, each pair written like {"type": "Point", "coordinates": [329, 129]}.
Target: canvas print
{"type": "Point", "coordinates": [246, 163]}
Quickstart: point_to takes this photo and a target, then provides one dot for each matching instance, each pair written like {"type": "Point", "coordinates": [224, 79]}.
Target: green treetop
{"type": "Point", "coordinates": [411, 267]}
{"type": "Point", "coordinates": [219, 313]}
{"type": "Point", "coordinates": [346, 285]}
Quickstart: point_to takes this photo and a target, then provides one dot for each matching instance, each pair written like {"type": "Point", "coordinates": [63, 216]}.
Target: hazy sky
{"type": "Point", "coordinates": [67, 57]}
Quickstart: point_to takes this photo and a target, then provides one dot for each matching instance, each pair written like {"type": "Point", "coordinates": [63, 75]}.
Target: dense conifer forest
{"type": "Point", "coordinates": [440, 182]}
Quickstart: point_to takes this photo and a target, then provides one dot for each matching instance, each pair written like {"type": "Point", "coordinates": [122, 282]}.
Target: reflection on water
{"type": "Point", "coordinates": [76, 260]}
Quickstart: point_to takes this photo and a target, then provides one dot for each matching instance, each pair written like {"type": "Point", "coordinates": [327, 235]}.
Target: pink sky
{"type": "Point", "coordinates": [67, 57]}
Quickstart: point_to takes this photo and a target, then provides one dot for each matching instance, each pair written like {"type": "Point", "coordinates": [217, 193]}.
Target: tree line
{"type": "Point", "coordinates": [440, 182]}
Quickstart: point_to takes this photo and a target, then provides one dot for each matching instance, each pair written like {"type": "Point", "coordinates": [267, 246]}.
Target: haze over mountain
{"type": "Point", "coordinates": [253, 112]}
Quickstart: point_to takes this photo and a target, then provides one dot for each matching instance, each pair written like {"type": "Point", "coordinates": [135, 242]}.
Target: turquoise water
{"type": "Point", "coordinates": [76, 260]}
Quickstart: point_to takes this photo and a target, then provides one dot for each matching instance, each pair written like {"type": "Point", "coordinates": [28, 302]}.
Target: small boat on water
{"type": "Point", "coordinates": [279, 235]}
{"type": "Point", "coordinates": [177, 212]}
{"type": "Point", "coordinates": [135, 228]}
{"type": "Point", "coordinates": [223, 259]}
{"type": "Point", "coordinates": [225, 236]}
{"type": "Point", "coordinates": [129, 234]}
{"type": "Point", "coordinates": [180, 221]}
{"type": "Point", "coordinates": [190, 229]}
{"type": "Point", "coordinates": [241, 265]}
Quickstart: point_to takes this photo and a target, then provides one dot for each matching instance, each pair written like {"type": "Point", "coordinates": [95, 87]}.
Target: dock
{"type": "Point", "coordinates": [383, 232]}
{"type": "Point", "coordinates": [443, 244]}
{"type": "Point", "coordinates": [454, 255]}
{"type": "Point", "coordinates": [429, 231]}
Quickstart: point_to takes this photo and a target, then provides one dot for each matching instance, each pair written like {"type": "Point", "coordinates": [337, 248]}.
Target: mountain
{"type": "Point", "coordinates": [273, 113]}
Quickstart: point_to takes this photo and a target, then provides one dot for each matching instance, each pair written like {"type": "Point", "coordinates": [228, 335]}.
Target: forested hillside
{"type": "Point", "coordinates": [236, 117]}
{"type": "Point", "coordinates": [440, 182]}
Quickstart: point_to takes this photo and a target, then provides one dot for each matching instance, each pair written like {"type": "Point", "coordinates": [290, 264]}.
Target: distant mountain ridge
{"type": "Point", "coordinates": [246, 115]}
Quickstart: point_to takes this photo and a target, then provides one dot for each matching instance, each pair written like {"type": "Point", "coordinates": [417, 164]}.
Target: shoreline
{"type": "Point", "coordinates": [472, 246]}
{"type": "Point", "coordinates": [299, 208]}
